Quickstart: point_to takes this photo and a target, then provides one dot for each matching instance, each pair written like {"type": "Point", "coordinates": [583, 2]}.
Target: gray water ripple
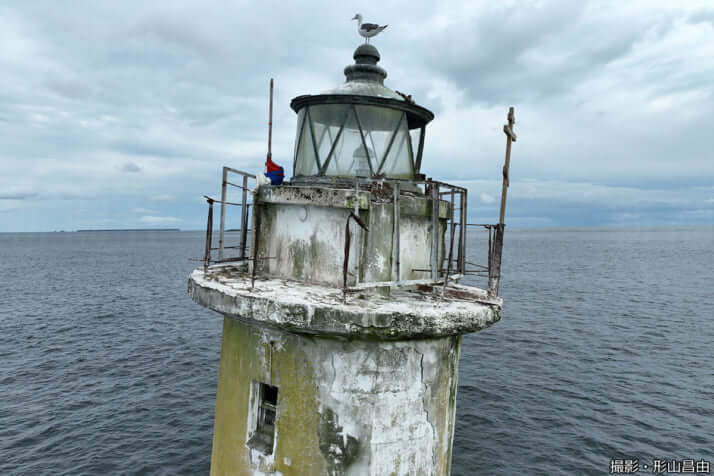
{"type": "Point", "coordinates": [604, 351]}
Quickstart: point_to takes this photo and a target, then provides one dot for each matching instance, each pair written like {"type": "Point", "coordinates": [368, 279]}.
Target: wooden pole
{"type": "Point", "coordinates": [510, 137]}
{"type": "Point", "coordinates": [270, 122]}
{"type": "Point", "coordinates": [496, 248]}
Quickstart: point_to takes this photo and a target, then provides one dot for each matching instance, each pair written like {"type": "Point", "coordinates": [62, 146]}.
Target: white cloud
{"type": "Point", "coordinates": [154, 220]}
{"type": "Point", "coordinates": [486, 198]}
{"type": "Point", "coordinates": [163, 197]}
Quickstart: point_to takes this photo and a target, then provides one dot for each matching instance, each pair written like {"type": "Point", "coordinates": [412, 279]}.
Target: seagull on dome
{"type": "Point", "coordinates": [367, 30]}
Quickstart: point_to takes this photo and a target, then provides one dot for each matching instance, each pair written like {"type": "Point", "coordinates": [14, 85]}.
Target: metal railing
{"type": "Point", "coordinates": [447, 262]}
{"type": "Point", "coordinates": [245, 214]}
{"type": "Point", "coordinates": [443, 267]}
{"type": "Point", "coordinates": [492, 270]}
{"type": "Point", "coordinates": [455, 262]}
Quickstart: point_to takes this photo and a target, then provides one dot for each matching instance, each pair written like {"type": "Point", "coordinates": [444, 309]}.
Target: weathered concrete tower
{"type": "Point", "coordinates": [343, 318]}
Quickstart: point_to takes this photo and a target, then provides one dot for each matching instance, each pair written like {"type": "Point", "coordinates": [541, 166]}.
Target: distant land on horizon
{"type": "Point", "coordinates": [128, 229]}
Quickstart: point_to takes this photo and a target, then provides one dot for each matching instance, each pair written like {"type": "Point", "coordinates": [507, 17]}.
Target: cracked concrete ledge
{"type": "Point", "coordinates": [313, 309]}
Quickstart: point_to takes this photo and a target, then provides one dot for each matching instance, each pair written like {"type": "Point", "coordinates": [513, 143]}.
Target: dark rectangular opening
{"type": "Point", "coordinates": [267, 408]}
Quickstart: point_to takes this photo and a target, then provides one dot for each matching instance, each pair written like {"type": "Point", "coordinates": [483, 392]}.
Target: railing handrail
{"type": "Point", "coordinates": [244, 210]}
{"type": "Point", "coordinates": [439, 272]}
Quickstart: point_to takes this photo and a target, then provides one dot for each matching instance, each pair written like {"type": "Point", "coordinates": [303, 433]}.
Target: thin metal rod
{"type": "Point", "coordinates": [451, 245]}
{"type": "Point", "coordinates": [395, 235]}
{"type": "Point", "coordinates": [477, 265]}
{"type": "Point", "coordinates": [346, 260]}
{"type": "Point", "coordinates": [410, 282]}
{"type": "Point", "coordinates": [348, 237]}
{"type": "Point", "coordinates": [209, 228]}
{"type": "Point", "coordinates": [463, 229]}
{"type": "Point", "coordinates": [270, 122]}
{"type": "Point", "coordinates": [240, 172]}
{"type": "Point", "coordinates": [228, 260]}
{"type": "Point", "coordinates": [244, 218]}
{"type": "Point", "coordinates": [256, 238]}
{"type": "Point", "coordinates": [223, 213]}
{"type": "Point", "coordinates": [234, 184]}
{"type": "Point", "coordinates": [434, 231]}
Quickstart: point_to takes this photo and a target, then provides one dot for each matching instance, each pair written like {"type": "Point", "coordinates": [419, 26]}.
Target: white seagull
{"type": "Point", "coordinates": [367, 30]}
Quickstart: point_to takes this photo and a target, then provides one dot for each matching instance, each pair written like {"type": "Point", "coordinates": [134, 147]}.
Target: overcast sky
{"type": "Point", "coordinates": [121, 114]}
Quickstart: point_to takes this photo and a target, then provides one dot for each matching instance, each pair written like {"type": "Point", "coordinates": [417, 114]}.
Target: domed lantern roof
{"type": "Point", "coordinates": [359, 129]}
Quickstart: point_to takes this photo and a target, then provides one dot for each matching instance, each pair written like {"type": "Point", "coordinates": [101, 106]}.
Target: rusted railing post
{"type": "Point", "coordinates": [435, 262]}
{"type": "Point", "coordinates": [395, 235]}
{"type": "Point", "coordinates": [494, 260]}
{"type": "Point", "coordinates": [222, 230]}
{"type": "Point", "coordinates": [451, 245]}
{"type": "Point", "coordinates": [209, 232]}
{"type": "Point", "coordinates": [244, 218]}
{"type": "Point", "coordinates": [462, 231]}
{"type": "Point", "coordinates": [256, 237]}
{"type": "Point", "coordinates": [348, 238]}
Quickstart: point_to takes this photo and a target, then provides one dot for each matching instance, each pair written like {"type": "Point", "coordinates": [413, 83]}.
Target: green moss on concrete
{"type": "Point", "coordinates": [421, 206]}
{"type": "Point", "coordinates": [268, 215]}
{"type": "Point", "coordinates": [246, 356]}
{"type": "Point", "coordinates": [229, 453]}
{"type": "Point", "coordinates": [298, 417]}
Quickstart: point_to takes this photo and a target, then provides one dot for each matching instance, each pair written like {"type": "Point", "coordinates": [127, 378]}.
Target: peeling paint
{"type": "Point", "coordinates": [366, 381]}
{"type": "Point", "coordinates": [302, 234]}
{"type": "Point", "coordinates": [315, 309]}
{"type": "Point", "coordinates": [345, 407]}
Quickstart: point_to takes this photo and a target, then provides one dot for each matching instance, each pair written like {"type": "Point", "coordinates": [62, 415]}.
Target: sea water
{"type": "Point", "coordinates": [605, 352]}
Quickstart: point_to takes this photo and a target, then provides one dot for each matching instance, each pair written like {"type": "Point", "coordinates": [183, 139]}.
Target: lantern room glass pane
{"type": "Point", "coordinates": [348, 158]}
{"type": "Point", "coordinates": [298, 133]}
{"type": "Point", "coordinates": [305, 163]}
{"type": "Point", "coordinates": [415, 136]}
{"type": "Point", "coordinates": [399, 159]}
{"type": "Point", "coordinates": [378, 125]}
{"type": "Point", "coordinates": [344, 151]}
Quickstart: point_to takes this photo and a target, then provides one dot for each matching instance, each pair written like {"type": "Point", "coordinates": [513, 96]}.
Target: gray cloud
{"type": "Point", "coordinates": [17, 196]}
{"type": "Point", "coordinates": [611, 100]}
{"type": "Point", "coordinates": [130, 167]}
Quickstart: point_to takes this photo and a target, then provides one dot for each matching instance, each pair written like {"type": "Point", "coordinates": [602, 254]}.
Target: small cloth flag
{"type": "Point", "coordinates": [274, 172]}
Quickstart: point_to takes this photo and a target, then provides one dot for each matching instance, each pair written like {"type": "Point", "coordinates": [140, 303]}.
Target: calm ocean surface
{"type": "Point", "coordinates": [605, 350]}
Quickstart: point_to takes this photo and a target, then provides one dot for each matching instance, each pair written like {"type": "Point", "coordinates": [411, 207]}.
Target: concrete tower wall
{"type": "Point", "coordinates": [302, 231]}
{"type": "Point", "coordinates": [344, 407]}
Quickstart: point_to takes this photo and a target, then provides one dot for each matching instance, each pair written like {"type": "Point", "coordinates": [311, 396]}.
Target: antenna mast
{"type": "Point", "coordinates": [270, 123]}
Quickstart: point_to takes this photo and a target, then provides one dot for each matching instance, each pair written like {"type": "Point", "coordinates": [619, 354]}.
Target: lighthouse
{"type": "Point", "coordinates": [342, 308]}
